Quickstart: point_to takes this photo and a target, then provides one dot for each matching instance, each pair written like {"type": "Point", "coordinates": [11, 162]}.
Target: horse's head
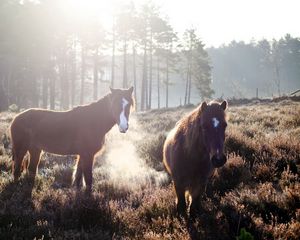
{"type": "Point", "coordinates": [213, 125]}
{"type": "Point", "coordinates": [121, 103]}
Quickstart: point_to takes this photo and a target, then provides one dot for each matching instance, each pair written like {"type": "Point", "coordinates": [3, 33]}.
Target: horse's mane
{"type": "Point", "coordinates": [94, 103]}
{"type": "Point", "coordinates": [104, 99]}
{"type": "Point", "coordinates": [190, 128]}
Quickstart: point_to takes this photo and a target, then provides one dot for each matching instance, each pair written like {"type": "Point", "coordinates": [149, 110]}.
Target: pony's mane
{"type": "Point", "coordinates": [190, 128]}
{"type": "Point", "coordinates": [100, 101]}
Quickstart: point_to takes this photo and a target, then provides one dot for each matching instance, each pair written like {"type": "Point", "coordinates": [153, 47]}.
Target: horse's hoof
{"type": "Point", "coordinates": [88, 190]}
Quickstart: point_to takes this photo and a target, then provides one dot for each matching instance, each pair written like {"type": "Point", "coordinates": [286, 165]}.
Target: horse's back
{"type": "Point", "coordinates": [28, 120]}
{"type": "Point", "coordinates": [41, 128]}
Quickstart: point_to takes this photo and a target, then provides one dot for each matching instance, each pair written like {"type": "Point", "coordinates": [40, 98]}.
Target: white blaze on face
{"type": "Point", "coordinates": [215, 122]}
{"type": "Point", "coordinates": [123, 125]}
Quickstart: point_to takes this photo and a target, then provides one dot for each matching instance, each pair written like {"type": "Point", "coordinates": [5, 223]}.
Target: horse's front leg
{"type": "Point", "coordinates": [77, 177]}
{"type": "Point", "coordinates": [87, 168]}
{"type": "Point", "coordinates": [180, 203]}
{"type": "Point", "coordinates": [196, 193]}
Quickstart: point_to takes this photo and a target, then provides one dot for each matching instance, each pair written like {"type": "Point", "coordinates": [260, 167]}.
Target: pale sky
{"type": "Point", "coordinates": [221, 21]}
{"type": "Point", "coordinates": [217, 21]}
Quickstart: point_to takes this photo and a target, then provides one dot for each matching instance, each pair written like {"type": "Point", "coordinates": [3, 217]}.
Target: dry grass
{"type": "Point", "coordinates": [257, 193]}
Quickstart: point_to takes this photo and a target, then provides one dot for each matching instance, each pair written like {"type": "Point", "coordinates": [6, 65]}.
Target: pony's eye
{"type": "Point", "coordinates": [205, 127]}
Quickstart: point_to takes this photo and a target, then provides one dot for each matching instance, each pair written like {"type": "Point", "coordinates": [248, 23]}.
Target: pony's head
{"type": "Point", "coordinates": [213, 125]}
{"type": "Point", "coordinates": [121, 103]}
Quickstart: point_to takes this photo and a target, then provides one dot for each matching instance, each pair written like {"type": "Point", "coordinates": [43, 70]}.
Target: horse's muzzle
{"type": "Point", "coordinates": [218, 161]}
{"type": "Point", "coordinates": [123, 130]}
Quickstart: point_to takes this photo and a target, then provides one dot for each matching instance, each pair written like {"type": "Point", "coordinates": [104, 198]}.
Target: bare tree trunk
{"type": "Point", "coordinates": [186, 85]}
{"type": "Point", "coordinates": [8, 87]}
{"type": "Point", "coordinates": [64, 91]}
{"type": "Point", "coordinates": [190, 69]}
{"type": "Point", "coordinates": [125, 65]}
{"type": "Point", "coordinates": [113, 56]}
{"type": "Point", "coordinates": [146, 84]}
{"type": "Point", "coordinates": [45, 91]}
{"type": "Point", "coordinates": [167, 83]}
{"type": "Point", "coordinates": [73, 74]}
{"type": "Point", "coordinates": [134, 72]}
{"type": "Point", "coordinates": [150, 72]}
{"type": "Point", "coordinates": [52, 91]}
{"type": "Point", "coordinates": [144, 79]}
{"type": "Point", "coordinates": [82, 74]}
{"type": "Point", "coordinates": [95, 90]}
{"type": "Point", "coordinates": [190, 88]}
{"type": "Point", "coordinates": [158, 84]}
{"type": "Point", "coordinates": [67, 84]}
{"type": "Point", "coordinates": [277, 79]}
{"type": "Point", "coordinates": [35, 94]}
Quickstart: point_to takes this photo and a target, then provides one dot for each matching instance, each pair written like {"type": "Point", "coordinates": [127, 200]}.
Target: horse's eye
{"type": "Point", "coordinates": [205, 127]}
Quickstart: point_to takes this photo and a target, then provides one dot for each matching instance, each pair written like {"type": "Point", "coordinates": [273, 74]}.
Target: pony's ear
{"type": "Point", "coordinates": [224, 105]}
{"type": "Point", "coordinates": [112, 90]}
{"type": "Point", "coordinates": [130, 90]}
{"type": "Point", "coordinates": [203, 106]}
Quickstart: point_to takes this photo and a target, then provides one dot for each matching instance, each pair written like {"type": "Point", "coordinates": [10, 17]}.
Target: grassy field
{"type": "Point", "coordinates": [256, 195]}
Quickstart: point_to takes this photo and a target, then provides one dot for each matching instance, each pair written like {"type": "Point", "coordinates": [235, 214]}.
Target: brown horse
{"type": "Point", "coordinates": [80, 131]}
{"type": "Point", "coordinates": [193, 149]}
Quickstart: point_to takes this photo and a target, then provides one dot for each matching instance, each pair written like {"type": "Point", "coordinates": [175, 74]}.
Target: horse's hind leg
{"type": "Point", "coordinates": [181, 203]}
{"type": "Point", "coordinates": [78, 174]}
{"type": "Point", "coordinates": [87, 167]}
{"type": "Point", "coordinates": [18, 152]}
{"type": "Point", "coordinates": [34, 161]}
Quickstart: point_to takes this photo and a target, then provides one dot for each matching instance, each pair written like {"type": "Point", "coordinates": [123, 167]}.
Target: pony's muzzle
{"type": "Point", "coordinates": [123, 129]}
{"type": "Point", "coordinates": [218, 160]}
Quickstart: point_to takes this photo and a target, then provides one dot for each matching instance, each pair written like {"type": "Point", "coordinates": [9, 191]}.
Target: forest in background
{"type": "Point", "coordinates": [52, 59]}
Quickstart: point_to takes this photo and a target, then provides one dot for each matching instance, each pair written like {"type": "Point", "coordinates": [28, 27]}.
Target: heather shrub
{"type": "Point", "coordinates": [256, 194]}
{"type": "Point", "coordinates": [233, 173]}
{"type": "Point", "coordinates": [239, 144]}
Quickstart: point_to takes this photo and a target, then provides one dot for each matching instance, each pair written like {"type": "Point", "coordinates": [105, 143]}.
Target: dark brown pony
{"type": "Point", "coordinates": [80, 131]}
{"type": "Point", "coordinates": [193, 149]}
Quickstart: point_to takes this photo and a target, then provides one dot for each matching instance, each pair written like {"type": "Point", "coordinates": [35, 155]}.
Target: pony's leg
{"type": "Point", "coordinates": [181, 203]}
{"type": "Point", "coordinates": [196, 194]}
{"type": "Point", "coordinates": [34, 161]}
{"type": "Point", "coordinates": [87, 167]}
{"type": "Point", "coordinates": [18, 155]}
{"type": "Point", "coordinates": [78, 174]}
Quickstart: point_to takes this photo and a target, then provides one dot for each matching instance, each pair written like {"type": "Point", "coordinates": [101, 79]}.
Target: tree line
{"type": "Point", "coordinates": [52, 59]}
{"type": "Point", "coordinates": [266, 68]}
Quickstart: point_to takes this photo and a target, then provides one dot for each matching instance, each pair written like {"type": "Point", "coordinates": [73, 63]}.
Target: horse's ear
{"type": "Point", "coordinates": [203, 106]}
{"type": "Point", "coordinates": [112, 89]}
{"type": "Point", "coordinates": [130, 90]}
{"type": "Point", "coordinates": [224, 105]}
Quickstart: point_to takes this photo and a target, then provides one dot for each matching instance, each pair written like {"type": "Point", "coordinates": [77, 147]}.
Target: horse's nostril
{"type": "Point", "coordinates": [218, 161]}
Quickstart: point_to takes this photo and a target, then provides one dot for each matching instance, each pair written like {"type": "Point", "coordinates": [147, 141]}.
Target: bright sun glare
{"type": "Point", "coordinates": [84, 9]}
{"type": "Point", "coordinates": [216, 21]}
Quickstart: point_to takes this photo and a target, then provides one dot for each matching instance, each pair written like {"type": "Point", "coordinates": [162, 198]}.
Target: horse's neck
{"type": "Point", "coordinates": [104, 119]}
{"type": "Point", "coordinates": [194, 139]}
